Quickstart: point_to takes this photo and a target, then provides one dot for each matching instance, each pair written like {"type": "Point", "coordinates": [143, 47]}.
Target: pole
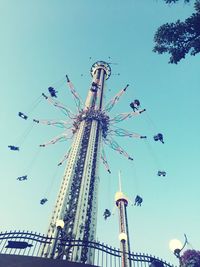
{"type": "Point", "coordinates": [122, 203]}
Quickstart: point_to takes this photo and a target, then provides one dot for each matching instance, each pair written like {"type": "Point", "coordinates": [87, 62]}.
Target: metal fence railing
{"type": "Point", "coordinates": [30, 244]}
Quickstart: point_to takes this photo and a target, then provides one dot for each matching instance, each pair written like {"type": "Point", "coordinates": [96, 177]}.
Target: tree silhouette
{"type": "Point", "coordinates": [179, 38]}
{"type": "Point", "coordinates": [174, 1]}
{"type": "Point", "coordinates": [190, 258]}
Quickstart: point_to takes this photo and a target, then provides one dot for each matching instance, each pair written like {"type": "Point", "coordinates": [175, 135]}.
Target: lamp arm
{"type": "Point", "coordinates": [185, 243]}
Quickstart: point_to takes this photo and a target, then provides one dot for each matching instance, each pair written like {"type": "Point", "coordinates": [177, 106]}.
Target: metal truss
{"type": "Point", "coordinates": [77, 200]}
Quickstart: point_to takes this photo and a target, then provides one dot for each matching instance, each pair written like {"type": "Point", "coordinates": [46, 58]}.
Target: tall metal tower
{"type": "Point", "coordinates": [121, 202]}
{"type": "Point", "coordinates": [76, 203]}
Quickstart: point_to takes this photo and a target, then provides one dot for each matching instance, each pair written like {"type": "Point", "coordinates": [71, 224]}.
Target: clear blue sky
{"type": "Point", "coordinates": [41, 41]}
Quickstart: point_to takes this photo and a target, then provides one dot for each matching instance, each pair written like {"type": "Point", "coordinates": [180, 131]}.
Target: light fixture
{"type": "Point", "coordinates": [176, 246]}
{"type": "Point", "coordinates": [60, 224]}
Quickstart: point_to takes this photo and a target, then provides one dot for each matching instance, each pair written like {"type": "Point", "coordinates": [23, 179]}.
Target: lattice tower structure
{"type": "Point", "coordinates": [76, 203]}
{"type": "Point", "coordinates": [122, 203]}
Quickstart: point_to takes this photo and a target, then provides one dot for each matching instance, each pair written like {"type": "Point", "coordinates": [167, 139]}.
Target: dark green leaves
{"type": "Point", "coordinates": [179, 38]}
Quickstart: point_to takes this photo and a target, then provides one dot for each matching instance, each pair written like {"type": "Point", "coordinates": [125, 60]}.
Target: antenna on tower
{"type": "Point", "coordinates": [120, 184]}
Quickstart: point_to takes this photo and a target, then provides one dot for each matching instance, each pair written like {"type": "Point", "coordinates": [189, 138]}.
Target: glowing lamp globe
{"type": "Point", "coordinates": [60, 224]}
{"type": "Point", "coordinates": [119, 196]}
{"type": "Point", "coordinates": [175, 244]}
{"type": "Point", "coordinates": [122, 237]}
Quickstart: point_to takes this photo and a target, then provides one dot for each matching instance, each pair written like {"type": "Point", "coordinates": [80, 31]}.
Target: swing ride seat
{"type": "Point", "coordinates": [162, 173]}
{"type": "Point", "coordinates": [158, 137]}
{"type": "Point", "coordinates": [106, 214]}
{"type": "Point", "coordinates": [135, 104]}
{"type": "Point", "coordinates": [14, 148]}
{"type": "Point", "coordinates": [138, 200]}
{"type": "Point", "coordinates": [22, 115]}
{"type": "Point", "coordinates": [94, 87]}
{"type": "Point", "coordinates": [22, 178]}
{"type": "Point", "coordinates": [52, 92]}
{"type": "Point", "coordinates": [43, 201]}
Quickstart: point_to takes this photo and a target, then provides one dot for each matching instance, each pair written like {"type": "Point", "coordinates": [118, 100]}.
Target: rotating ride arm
{"type": "Point", "coordinates": [77, 99]}
{"type": "Point", "coordinates": [122, 132]}
{"type": "Point", "coordinates": [62, 137]}
{"type": "Point", "coordinates": [116, 98]}
{"type": "Point", "coordinates": [114, 145]}
{"type": "Point", "coordinates": [59, 105]}
{"type": "Point", "coordinates": [123, 116]}
{"type": "Point", "coordinates": [59, 124]}
{"type": "Point", "coordinates": [104, 160]}
{"type": "Point", "coordinates": [65, 157]}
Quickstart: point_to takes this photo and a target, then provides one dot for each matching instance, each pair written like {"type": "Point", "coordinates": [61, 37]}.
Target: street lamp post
{"type": "Point", "coordinates": [176, 247]}
{"type": "Point", "coordinates": [59, 226]}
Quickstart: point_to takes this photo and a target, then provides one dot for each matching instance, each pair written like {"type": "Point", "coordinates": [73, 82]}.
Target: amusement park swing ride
{"type": "Point", "coordinates": [90, 128]}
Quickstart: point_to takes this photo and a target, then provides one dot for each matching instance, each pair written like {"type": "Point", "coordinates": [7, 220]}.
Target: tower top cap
{"type": "Point", "coordinates": [101, 65]}
{"type": "Point", "coordinates": [120, 196]}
